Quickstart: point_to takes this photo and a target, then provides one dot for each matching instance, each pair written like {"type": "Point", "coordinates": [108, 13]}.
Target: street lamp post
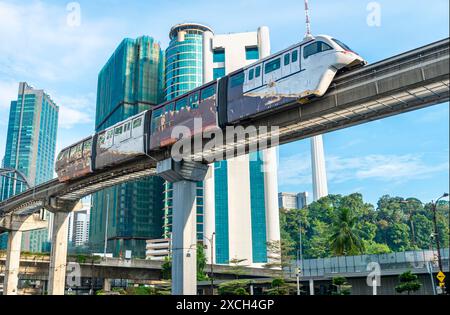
{"type": "Point", "coordinates": [211, 241]}
{"type": "Point", "coordinates": [436, 232]}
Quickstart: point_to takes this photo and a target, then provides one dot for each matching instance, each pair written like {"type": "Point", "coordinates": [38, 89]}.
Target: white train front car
{"type": "Point", "coordinates": [305, 70]}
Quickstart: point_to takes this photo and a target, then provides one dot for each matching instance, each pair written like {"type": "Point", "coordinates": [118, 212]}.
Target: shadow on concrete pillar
{"type": "Point", "coordinates": [12, 263]}
{"type": "Point", "coordinates": [58, 257]}
{"type": "Point", "coordinates": [184, 175]}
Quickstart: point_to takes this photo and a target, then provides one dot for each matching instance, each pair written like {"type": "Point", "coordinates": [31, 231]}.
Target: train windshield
{"type": "Point", "coordinates": [342, 45]}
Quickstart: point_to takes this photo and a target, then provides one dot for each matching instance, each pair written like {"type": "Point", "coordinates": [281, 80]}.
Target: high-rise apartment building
{"type": "Point", "coordinates": [235, 201]}
{"type": "Point", "coordinates": [130, 82]}
{"type": "Point", "coordinates": [30, 148]}
{"type": "Point", "coordinates": [290, 201]}
{"type": "Point", "coordinates": [79, 225]}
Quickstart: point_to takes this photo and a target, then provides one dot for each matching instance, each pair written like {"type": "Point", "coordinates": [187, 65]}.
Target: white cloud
{"type": "Point", "coordinates": [41, 45]}
{"type": "Point", "coordinates": [296, 169]}
{"type": "Point", "coordinates": [74, 111]}
{"type": "Point", "coordinates": [8, 92]}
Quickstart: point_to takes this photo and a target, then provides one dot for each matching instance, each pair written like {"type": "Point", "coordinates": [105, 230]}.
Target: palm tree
{"type": "Point", "coordinates": [345, 238]}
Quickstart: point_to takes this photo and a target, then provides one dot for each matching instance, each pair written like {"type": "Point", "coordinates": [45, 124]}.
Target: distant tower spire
{"type": "Point", "coordinates": [308, 22]}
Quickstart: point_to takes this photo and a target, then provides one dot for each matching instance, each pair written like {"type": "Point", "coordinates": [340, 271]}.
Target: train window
{"type": "Point", "coordinates": [118, 130]}
{"type": "Point", "coordinates": [342, 44]}
{"type": "Point", "coordinates": [137, 123]}
{"type": "Point", "coordinates": [272, 66]}
{"type": "Point", "coordinates": [251, 74]}
{"type": "Point", "coordinates": [325, 46]}
{"type": "Point", "coordinates": [62, 155]}
{"type": "Point", "coordinates": [109, 134]}
{"type": "Point", "coordinates": [208, 92]}
{"type": "Point", "coordinates": [127, 127]}
{"type": "Point", "coordinates": [181, 104]}
{"type": "Point", "coordinates": [102, 139]}
{"type": "Point", "coordinates": [87, 147]}
{"type": "Point", "coordinates": [156, 121]}
{"type": "Point", "coordinates": [76, 152]}
{"type": "Point", "coordinates": [193, 100]}
{"type": "Point", "coordinates": [287, 59]}
{"type": "Point", "coordinates": [258, 71]}
{"type": "Point", "coordinates": [315, 48]}
{"type": "Point", "coordinates": [294, 56]}
{"type": "Point", "coordinates": [237, 79]}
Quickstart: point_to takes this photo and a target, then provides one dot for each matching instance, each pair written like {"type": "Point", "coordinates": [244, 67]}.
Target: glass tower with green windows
{"type": "Point", "coordinates": [131, 81]}
{"type": "Point", "coordinates": [184, 72]}
{"type": "Point", "coordinates": [30, 149]}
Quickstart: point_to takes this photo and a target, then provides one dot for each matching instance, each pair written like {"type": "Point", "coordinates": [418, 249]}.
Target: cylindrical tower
{"type": "Point", "coordinates": [320, 187]}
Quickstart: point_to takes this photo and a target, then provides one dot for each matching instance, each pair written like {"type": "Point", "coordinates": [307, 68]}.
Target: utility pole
{"type": "Point", "coordinates": [299, 257]}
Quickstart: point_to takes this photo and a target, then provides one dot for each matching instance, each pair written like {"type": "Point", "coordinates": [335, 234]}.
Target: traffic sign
{"type": "Point", "coordinates": [440, 276]}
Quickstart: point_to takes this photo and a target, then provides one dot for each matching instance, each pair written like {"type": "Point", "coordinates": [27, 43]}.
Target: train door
{"type": "Point", "coordinates": [295, 60]}
{"type": "Point", "coordinates": [286, 65]}
{"type": "Point", "coordinates": [249, 83]}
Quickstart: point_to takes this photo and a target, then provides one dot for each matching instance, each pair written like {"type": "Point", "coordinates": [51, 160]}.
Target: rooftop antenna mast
{"type": "Point", "coordinates": [308, 21]}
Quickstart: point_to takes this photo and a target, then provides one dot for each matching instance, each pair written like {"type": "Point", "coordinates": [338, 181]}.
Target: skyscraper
{"type": "Point", "coordinates": [30, 148]}
{"type": "Point", "coordinates": [130, 82]}
{"type": "Point", "coordinates": [235, 200]}
{"type": "Point", "coordinates": [184, 72]}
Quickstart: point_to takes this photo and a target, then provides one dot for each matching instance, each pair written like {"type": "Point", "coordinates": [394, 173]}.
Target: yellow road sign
{"type": "Point", "coordinates": [440, 276]}
{"type": "Point", "coordinates": [441, 284]}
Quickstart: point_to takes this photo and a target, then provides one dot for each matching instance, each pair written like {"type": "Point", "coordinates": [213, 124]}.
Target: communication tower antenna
{"type": "Point", "coordinates": [308, 21]}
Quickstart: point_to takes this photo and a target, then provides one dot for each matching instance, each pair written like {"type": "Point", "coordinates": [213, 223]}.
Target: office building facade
{"type": "Point", "coordinates": [30, 148]}
{"type": "Point", "coordinates": [235, 199]}
{"type": "Point", "coordinates": [130, 82]}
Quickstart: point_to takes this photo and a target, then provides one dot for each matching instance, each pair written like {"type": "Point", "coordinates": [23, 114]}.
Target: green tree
{"type": "Point", "coordinates": [345, 239]}
{"type": "Point", "coordinates": [279, 287]}
{"type": "Point", "coordinates": [201, 263]}
{"type": "Point", "coordinates": [341, 285]}
{"type": "Point", "coordinates": [236, 267]}
{"type": "Point", "coordinates": [317, 240]}
{"type": "Point", "coordinates": [374, 248]}
{"type": "Point", "coordinates": [279, 254]}
{"type": "Point", "coordinates": [235, 287]}
{"type": "Point", "coordinates": [408, 283]}
{"type": "Point", "coordinates": [166, 271]}
{"type": "Point", "coordinates": [398, 238]}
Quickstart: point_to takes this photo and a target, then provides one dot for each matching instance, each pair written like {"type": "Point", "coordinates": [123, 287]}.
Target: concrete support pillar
{"type": "Point", "coordinates": [184, 234]}
{"type": "Point", "coordinates": [58, 257]}
{"type": "Point", "coordinates": [107, 285]}
{"type": "Point", "coordinates": [209, 213]}
{"type": "Point", "coordinates": [264, 42]}
{"type": "Point", "coordinates": [311, 287]}
{"type": "Point", "coordinates": [12, 263]}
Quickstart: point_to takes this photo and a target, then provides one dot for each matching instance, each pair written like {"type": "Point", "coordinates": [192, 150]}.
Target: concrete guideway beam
{"type": "Point", "coordinates": [23, 223]}
{"type": "Point", "coordinates": [184, 176]}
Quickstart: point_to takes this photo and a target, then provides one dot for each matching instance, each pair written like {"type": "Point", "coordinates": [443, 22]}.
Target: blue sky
{"type": "Point", "coordinates": [405, 155]}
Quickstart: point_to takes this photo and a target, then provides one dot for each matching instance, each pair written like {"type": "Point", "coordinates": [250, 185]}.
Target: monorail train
{"type": "Point", "coordinates": [301, 72]}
